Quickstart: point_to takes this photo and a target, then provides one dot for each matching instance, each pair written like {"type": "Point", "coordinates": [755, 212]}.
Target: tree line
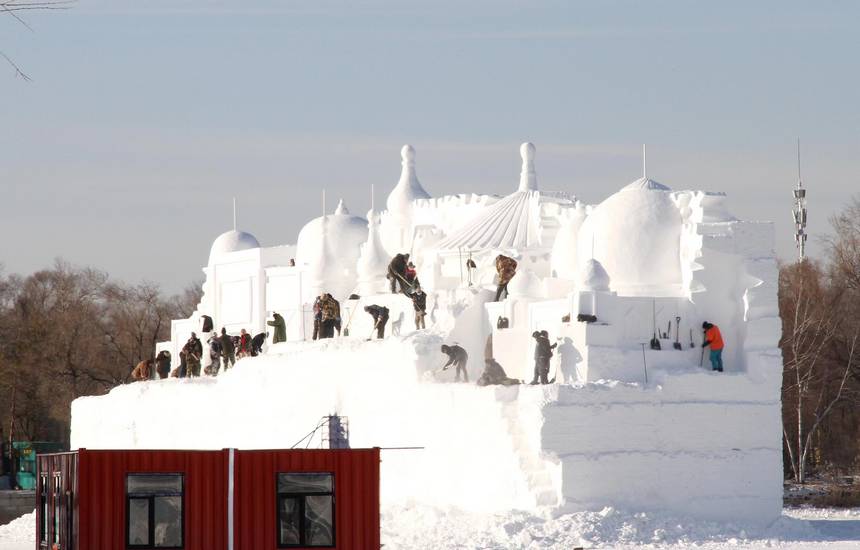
{"type": "Point", "coordinates": [67, 332]}
{"type": "Point", "coordinates": [819, 303]}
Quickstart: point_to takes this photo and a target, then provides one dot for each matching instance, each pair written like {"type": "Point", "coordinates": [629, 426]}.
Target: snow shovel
{"type": "Point", "coordinates": [655, 342]}
{"type": "Point", "coordinates": [644, 363]}
{"type": "Point", "coordinates": [702, 360]}
{"type": "Point", "coordinates": [375, 324]}
{"type": "Point", "coordinates": [668, 330]}
{"type": "Point", "coordinates": [692, 344]}
{"type": "Point", "coordinates": [677, 344]}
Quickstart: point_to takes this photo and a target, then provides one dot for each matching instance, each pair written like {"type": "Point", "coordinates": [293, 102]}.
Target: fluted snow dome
{"type": "Point", "coordinates": [344, 234]}
{"type": "Point", "coordinates": [636, 235]}
{"type": "Point", "coordinates": [232, 241]}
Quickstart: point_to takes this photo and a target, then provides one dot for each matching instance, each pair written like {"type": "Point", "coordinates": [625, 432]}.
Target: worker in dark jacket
{"type": "Point", "coordinates": [257, 343]}
{"type": "Point", "coordinates": [714, 339]}
{"type": "Point", "coordinates": [380, 318]}
{"type": "Point", "coordinates": [506, 268]}
{"type": "Point", "coordinates": [458, 357]}
{"type": "Point", "coordinates": [193, 352]}
{"type": "Point", "coordinates": [162, 364]}
{"type": "Point", "coordinates": [280, 328]}
{"type": "Point", "coordinates": [228, 350]}
{"type": "Point", "coordinates": [397, 273]}
{"type": "Point", "coordinates": [543, 353]}
{"type": "Point", "coordinates": [419, 304]}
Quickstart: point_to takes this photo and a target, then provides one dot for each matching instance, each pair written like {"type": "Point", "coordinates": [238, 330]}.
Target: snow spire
{"type": "Point", "coordinates": [373, 261]}
{"type": "Point", "coordinates": [341, 209]}
{"type": "Point", "coordinates": [528, 178]}
{"type": "Point", "coordinates": [408, 188]}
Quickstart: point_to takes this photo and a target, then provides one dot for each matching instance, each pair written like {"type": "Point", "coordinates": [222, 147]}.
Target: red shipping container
{"type": "Point", "coordinates": [117, 499]}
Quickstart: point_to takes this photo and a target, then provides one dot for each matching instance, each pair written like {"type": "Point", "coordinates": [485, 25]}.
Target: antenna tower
{"type": "Point", "coordinates": [799, 212]}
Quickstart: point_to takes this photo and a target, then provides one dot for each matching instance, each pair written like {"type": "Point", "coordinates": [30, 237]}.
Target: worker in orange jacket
{"type": "Point", "coordinates": [714, 338]}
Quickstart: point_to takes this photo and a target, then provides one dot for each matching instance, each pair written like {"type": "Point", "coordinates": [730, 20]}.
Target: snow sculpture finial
{"type": "Point", "coordinates": [528, 178]}
{"type": "Point", "coordinates": [341, 209]}
{"type": "Point", "coordinates": [407, 153]}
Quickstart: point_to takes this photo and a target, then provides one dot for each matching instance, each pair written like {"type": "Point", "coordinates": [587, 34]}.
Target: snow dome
{"type": "Point", "coordinates": [330, 245]}
{"type": "Point", "coordinates": [636, 236]}
{"type": "Point", "coordinates": [231, 241]}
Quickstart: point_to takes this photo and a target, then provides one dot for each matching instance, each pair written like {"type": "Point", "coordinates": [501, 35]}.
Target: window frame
{"type": "Point", "coordinates": [150, 498]}
{"type": "Point", "coordinates": [43, 509]}
{"type": "Point", "coordinates": [300, 496]}
{"type": "Point", "coordinates": [56, 507]}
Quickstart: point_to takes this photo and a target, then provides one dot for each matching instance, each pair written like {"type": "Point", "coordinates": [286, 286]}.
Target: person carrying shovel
{"type": "Point", "coordinates": [714, 339]}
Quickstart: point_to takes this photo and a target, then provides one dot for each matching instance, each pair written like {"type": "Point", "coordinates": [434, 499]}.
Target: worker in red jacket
{"type": "Point", "coordinates": [714, 338]}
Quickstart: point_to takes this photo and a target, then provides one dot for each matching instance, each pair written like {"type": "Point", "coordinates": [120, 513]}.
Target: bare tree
{"type": "Point", "coordinates": [16, 8]}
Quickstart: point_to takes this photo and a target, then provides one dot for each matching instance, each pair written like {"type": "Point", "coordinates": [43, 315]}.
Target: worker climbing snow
{"type": "Point", "coordinates": [214, 355]}
{"type": "Point", "coordinates": [380, 318]}
{"type": "Point", "coordinates": [458, 357]}
{"type": "Point", "coordinates": [397, 273]}
{"type": "Point", "coordinates": [143, 371]}
{"type": "Point", "coordinates": [543, 353]}
{"type": "Point", "coordinates": [228, 350]}
{"type": "Point", "coordinates": [329, 309]}
{"type": "Point", "coordinates": [506, 268]}
{"type": "Point", "coordinates": [193, 352]}
{"type": "Point", "coordinates": [419, 303]}
{"type": "Point", "coordinates": [280, 328]}
{"type": "Point", "coordinates": [714, 339]}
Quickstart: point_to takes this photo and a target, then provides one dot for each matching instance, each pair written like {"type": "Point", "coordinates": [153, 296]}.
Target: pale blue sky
{"type": "Point", "coordinates": [143, 119]}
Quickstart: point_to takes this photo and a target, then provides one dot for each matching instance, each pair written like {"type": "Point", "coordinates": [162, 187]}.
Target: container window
{"type": "Point", "coordinates": [155, 510]}
{"type": "Point", "coordinates": [306, 510]}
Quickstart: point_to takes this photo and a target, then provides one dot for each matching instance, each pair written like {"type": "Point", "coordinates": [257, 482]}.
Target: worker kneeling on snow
{"type": "Point", "coordinates": [714, 338]}
{"type": "Point", "coordinates": [495, 375]}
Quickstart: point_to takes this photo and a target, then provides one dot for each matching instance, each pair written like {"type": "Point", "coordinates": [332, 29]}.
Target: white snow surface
{"type": "Point", "coordinates": [415, 528]}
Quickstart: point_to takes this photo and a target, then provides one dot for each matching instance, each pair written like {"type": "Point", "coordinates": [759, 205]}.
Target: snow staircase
{"type": "Point", "coordinates": [538, 476]}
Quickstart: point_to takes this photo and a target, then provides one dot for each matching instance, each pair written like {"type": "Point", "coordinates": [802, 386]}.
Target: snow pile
{"type": "Point", "coordinates": [22, 529]}
{"type": "Point", "coordinates": [428, 528]}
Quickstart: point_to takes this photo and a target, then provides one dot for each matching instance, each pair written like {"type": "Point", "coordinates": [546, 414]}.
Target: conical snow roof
{"type": "Point", "coordinates": [594, 277]}
{"type": "Point", "coordinates": [511, 223]}
{"type": "Point", "coordinates": [408, 189]}
{"type": "Point", "coordinates": [645, 183]}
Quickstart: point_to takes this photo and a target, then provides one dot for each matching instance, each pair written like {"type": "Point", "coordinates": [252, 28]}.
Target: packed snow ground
{"type": "Point", "coordinates": [417, 528]}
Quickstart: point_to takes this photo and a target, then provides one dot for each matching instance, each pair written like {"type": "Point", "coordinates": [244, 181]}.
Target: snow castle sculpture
{"type": "Point", "coordinates": [622, 425]}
